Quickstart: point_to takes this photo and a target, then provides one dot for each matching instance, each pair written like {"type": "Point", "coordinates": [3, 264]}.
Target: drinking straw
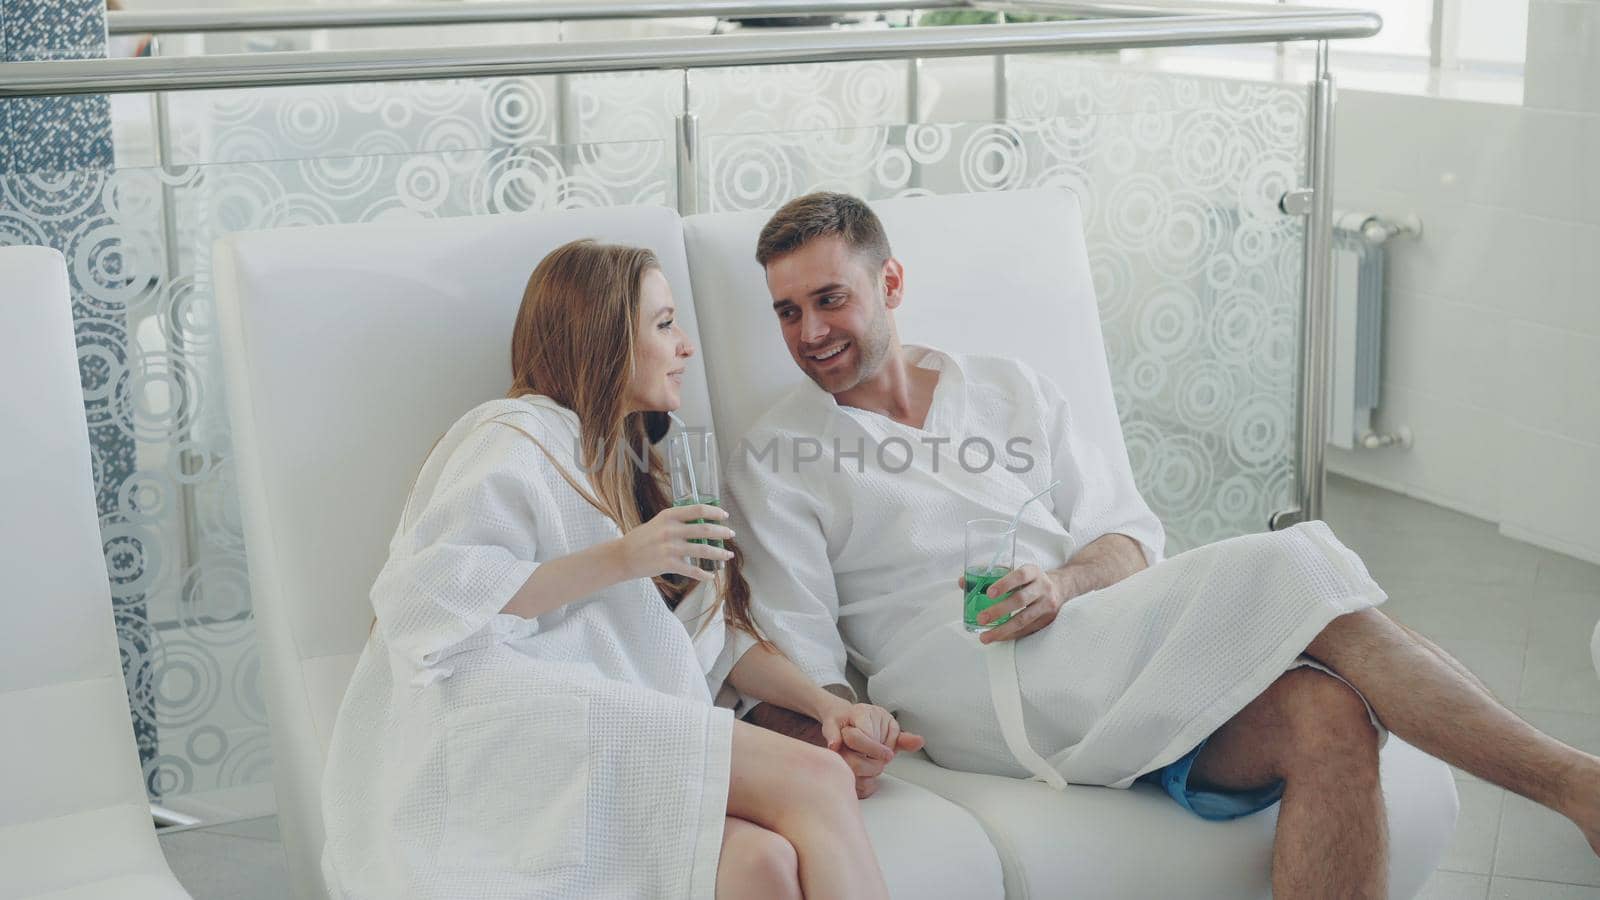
{"type": "Point", "coordinates": [1017, 520]}
{"type": "Point", "coordinates": [688, 460]}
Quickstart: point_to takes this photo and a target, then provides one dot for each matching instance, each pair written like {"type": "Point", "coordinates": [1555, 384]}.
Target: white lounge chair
{"type": "Point", "coordinates": [350, 349]}
{"type": "Point", "coordinates": [74, 818]}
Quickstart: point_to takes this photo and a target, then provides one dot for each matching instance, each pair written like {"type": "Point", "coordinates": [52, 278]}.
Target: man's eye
{"type": "Point", "coordinates": [786, 314]}
{"type": "Point", "coordinates": [832, 299]}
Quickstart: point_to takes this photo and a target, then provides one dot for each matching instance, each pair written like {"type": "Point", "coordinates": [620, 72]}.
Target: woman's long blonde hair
{"type": "Point", "coordinates": [574, 342]}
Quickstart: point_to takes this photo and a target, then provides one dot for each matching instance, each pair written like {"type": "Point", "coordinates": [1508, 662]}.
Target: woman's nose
{"type": "Point", "coordinates": [686, 350]}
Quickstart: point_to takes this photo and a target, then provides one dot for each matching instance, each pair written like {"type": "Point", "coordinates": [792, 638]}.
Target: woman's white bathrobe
{"type": "Point", "coordinates": [839, 538]}
{"type": "Point", "coordinates": [483, 755]}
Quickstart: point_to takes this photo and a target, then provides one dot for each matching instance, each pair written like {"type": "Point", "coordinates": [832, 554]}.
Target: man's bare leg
{"type": "Point", "coordinates": [1449, 660]}
{"type": "Point", "coordinates": [1422, 696]}
{"type": "Point", "coordinates": [1312, 732]}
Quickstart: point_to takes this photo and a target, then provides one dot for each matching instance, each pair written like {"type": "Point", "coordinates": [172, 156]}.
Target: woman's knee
{"type": "Point", "coordinates": [775, 776]}
{"type": "Point", "coordinates": [757, 862]}
{"type": "Point", "coordinates": [822, 770]}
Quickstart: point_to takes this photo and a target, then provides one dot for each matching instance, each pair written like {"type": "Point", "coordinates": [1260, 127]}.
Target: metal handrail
{"type": "Point", "coordinates": [501, 11]}
{"type": "Point", "coordinates": [1139, 23]}
{"type": "Point", "coordinates": [506, 11]}
{"type": "Point", "coordinates": [114, 76]}
{"type": "Point", "coordinates": [1133, 9]}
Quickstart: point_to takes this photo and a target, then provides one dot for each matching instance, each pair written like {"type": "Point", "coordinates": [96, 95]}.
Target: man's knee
{"type": "Point", "coordinates": [1327, 726]}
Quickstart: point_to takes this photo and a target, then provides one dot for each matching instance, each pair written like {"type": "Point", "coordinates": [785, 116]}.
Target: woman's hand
{"type": "Point", "coordinates": [663, 544]}
{"type": "Point", "coordinates": [868, 737]}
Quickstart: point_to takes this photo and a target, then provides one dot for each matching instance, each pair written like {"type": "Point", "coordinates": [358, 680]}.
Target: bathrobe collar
{"type": "Point", "coordinates": [565, 415]}
{"type": "Point", "coordinates": [944, 412]}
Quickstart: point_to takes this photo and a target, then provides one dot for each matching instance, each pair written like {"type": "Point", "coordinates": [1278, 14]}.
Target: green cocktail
{"type": "Point", "coordinates": [709, 565]}
{"type": "Point", "coordinates": [977, 600]}
{"type": "Point", "coordinates": [991, 550]}
{"type": "Point", "coordinates": [692, 465]}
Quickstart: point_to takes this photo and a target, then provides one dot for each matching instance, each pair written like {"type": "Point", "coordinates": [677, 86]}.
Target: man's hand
{"type": "Point", "coordinates": [1038, 595]}
{"type": "Point", "coordinates": [1035, 601]}
{"type": "Point", "coordinates": [867, 737]}
{"type": "Point", "coordinates": [877, 736]}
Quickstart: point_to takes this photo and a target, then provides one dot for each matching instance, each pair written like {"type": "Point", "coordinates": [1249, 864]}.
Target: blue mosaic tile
{"type": "Point", "coordinates": [35, 54]}
{"type": "Point", "coordinates": [55, 134]}
{"type": "Point", "coordinates": [51, 134]}
{"type": "Point", "coordinates": [52, 24]}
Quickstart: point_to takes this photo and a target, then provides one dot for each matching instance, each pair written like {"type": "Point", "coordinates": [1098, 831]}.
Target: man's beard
{"type": "Point", "coordinates": [871, 348]}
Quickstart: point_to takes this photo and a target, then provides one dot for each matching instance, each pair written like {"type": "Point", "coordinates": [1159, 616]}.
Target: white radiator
{"type": "Point", "coordinates": [1357, 351]}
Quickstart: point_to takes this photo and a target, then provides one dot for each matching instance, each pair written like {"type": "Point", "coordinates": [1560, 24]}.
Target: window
{"type": "Point", "coordinates": [1490, 33]}
{"type": "Point", "coordinates": [1405, 26]}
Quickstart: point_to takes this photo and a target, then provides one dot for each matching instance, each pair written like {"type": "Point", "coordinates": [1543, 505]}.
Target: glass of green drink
{"type": "Point", "coordinates": [991, 549]}
{"type": "Point", "coordinates": [692, 465]}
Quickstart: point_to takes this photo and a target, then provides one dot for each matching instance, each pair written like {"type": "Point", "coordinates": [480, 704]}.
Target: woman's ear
{"type": "Point", "coordinates": [656, 426]}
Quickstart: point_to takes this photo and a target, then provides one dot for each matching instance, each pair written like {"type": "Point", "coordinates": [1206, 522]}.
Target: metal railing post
{"type": "Point", "coordinates": [688, 155]}
{"type": "Point", "coordinates": [562, 129]}
{"type": "Point", "coordinates": [1318, 308]}
{"type": "Point", "coordinates": [1000, 103]}
{"type": "Point", "coordinates": [161, 124]}
{"type": "Point", "coordinates": [913, 113]}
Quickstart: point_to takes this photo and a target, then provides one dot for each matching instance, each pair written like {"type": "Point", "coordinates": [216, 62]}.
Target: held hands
{"type": "Point", "coordinates": [662, 544]}
{"type": "Point", "coordinates": [1035, 601]}
{"type": "Point", "coordinates": [867, 737]}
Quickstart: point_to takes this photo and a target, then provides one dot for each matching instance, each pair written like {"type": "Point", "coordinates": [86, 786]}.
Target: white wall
{"type": "Point", "coordinates": [1493, 327]}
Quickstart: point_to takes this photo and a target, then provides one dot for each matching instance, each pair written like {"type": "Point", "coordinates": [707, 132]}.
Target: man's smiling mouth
{"type": "Point", "coordinates": [828, 354]}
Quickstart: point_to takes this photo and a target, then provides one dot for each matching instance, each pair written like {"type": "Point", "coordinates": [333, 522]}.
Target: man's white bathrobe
{"type": "Point", "coordinates": [868, 545]}
{"type": "Point", "coordinates": [479, 754]}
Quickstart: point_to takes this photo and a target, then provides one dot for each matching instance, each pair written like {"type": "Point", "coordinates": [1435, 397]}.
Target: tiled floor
{"type": "Point", "coordinates": [238, 861]}
{"type": "Point", "coordinates": [1521, 619]}
{"type": "Point", "coordinates": [1518, 616]}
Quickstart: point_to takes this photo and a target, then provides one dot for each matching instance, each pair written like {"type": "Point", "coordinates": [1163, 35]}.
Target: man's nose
{"type": "Point", "coordinates": [812, 328]}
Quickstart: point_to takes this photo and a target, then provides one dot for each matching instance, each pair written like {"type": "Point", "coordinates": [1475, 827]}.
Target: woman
{"type": "Point", "coordinates": [532, 714]}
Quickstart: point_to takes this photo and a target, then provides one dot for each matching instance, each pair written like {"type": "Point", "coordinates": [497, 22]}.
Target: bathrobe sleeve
{"type": "Point", "coordinates": [1097, 495]}
{"type": "Point", "coordinates": [794, 599]}
{"type": "Point", "coordinates": [717, 645]}
{"type": "Point", "coordinates": [734, 646]}
{"type": "Point", "coordinates": [461, 552]}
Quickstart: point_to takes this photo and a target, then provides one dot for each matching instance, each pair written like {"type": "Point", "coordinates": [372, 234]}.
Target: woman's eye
{"type": "Point", "coordinates": [665, 325]}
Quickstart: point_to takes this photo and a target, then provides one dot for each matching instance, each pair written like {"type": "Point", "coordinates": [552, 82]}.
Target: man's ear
{"type": "Point", "coordinates": [894, 282]}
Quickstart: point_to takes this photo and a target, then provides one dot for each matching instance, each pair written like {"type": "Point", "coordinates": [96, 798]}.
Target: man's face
{"type": "Point", "coordinates": [833, 307]}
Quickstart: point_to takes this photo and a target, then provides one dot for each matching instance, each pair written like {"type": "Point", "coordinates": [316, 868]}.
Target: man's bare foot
{"type": "Point", "coordinates": [1584, 806]}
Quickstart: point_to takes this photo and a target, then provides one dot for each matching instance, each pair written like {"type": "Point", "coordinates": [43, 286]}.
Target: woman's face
{"type": "Point", "coordinates": [661, 352]}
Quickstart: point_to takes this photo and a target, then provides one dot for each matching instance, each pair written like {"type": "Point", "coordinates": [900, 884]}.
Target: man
{"type": "Point", "coordinates": [1238, 675]}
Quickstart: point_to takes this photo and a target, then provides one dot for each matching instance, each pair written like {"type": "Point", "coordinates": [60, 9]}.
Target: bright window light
{"type": "Point", "coordinates": [1405, 26]}
{"type": "Point", "coordinates": [1492, 31]}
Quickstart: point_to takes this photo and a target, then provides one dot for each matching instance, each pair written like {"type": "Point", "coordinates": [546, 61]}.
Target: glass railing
{"type": "Point", "coordinates": [137, 241]}
{"type": "Point", "coordinates": [1199, 271]}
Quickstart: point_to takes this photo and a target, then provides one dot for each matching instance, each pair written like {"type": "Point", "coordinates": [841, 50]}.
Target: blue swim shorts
{"type": "Point", "coordinates": [1216, 806]}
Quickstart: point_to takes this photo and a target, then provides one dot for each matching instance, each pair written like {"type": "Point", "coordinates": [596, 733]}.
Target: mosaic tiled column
{"type": "Point", "coordinates": [54, 153]}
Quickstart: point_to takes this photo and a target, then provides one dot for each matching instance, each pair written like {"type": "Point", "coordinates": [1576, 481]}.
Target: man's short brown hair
{"type": "Point", "coordinates": [804, 219]}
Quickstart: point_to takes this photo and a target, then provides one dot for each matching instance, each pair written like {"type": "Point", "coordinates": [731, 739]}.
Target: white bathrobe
{"type": "Point", "coordinates": [1125, 680]}
{"type": "Point", "coordinates": [479, 754]}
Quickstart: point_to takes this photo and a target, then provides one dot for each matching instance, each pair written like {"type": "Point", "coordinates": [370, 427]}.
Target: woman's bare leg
{"type": "Point", "coordinates": [756, 862]}
{"type": "Point", "coordinates": [807, 795]}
